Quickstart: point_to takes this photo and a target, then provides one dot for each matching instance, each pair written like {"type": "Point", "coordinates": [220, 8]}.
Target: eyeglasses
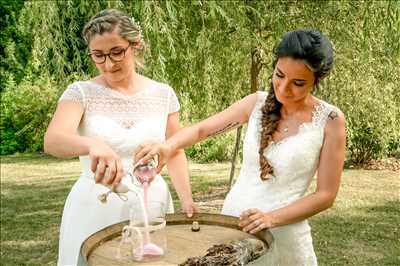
{"type": "Point", "coordinates": [116, 55]}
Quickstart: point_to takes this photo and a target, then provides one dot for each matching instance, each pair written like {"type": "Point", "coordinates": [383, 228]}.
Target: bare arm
{"type": "Point", "coordinates": [232, 117]}
{"type": "Point", "coordinates": [178, 169]}
{"type": "Point", "coordinates": [62, 140]}
{"type": "Point", "coordinates": [328, 181]}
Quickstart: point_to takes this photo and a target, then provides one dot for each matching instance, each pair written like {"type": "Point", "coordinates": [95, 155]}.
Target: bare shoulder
{"type": "Point", "coordinates": [251, 98]}
{"type": "Point", "coordinates": [336, 121]}
{"type": "Point", "coordinates": [247, 103]}
{"type": "Point", "coordinates": [335, 115]}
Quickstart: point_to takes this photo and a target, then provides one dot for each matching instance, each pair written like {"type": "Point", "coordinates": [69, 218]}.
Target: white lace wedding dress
{"type": "Point", "coordinates": [123, 122]}
{"type": "Point", "coordinates": [295, 160]}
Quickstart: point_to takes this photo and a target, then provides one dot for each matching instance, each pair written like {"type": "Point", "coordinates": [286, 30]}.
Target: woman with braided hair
{"type": "Point", "coordinates": [103, 120]}
{"type": "Point", "coordinates": [291, 135]}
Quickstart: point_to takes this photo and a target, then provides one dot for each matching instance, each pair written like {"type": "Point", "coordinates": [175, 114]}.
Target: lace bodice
{"type": "Point", "coordinates": [122, 121]}
{"type": "Point", "coordinates": [294, 160]}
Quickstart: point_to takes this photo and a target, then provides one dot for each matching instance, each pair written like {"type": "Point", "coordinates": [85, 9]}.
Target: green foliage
{"type": "Point", "coordinates": [9, 143]}
{"type": "Point", "coordinates": [366, 79]}
{"type": "Point", "coordinates": [15, 46]}
{"type": "Point", "coordinates": [215, 149]}
{"type": "Point", "coordinates": [26, 112]}
{"type": "Point", "coordinates": [372, 124]}
{"type": "Point", "coordinates": [204, 50]}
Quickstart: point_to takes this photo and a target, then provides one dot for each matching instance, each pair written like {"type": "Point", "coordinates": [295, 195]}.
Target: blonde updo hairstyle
{"type": "Point", "coordinates": [109, 19]}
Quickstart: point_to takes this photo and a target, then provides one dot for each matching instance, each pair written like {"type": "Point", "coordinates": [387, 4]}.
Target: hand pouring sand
{"type": "Point", "coordinates": [145, 173]}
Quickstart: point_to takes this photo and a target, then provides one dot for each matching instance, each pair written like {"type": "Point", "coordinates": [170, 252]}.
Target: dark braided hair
{"type": "Point", "coordinates": [316, 51]}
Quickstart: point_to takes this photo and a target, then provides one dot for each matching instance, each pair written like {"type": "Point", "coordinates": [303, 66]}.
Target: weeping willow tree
{"type": "Point", "coordinates": [213, 53]}
{"type": "Point", "coordinates": [202, 49]}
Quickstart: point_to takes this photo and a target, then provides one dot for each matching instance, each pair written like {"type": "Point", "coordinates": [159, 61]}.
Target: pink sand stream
{"type": "Point", "coordinates": [149, 249]}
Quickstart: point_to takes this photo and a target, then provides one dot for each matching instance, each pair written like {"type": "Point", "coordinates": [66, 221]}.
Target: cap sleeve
{"type": "Point", "coordinates": [173, 104]}
{"type": "Point", "coordinates": [73, 93]}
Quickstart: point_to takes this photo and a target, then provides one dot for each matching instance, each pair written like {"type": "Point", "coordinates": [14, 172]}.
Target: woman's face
{"type": "Point", "coordinates": [292, 80]}
{"type": "Point", "coordinates": [112, 43]}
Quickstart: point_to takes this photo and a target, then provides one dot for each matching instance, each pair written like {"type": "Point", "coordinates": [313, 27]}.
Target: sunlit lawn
{"type": "Point", "coordinates": [361, 229]}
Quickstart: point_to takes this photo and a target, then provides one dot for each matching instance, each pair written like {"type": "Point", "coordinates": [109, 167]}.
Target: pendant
{"type": "Point", "coordinates": [286, 129]}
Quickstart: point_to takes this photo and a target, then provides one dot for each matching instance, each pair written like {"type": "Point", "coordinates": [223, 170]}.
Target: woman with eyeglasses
{"type": "Point", "coordinates": [103, 120]}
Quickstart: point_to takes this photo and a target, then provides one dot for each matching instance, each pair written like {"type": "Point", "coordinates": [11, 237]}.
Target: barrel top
{"type": "Point", "coordinates": [182, 242]}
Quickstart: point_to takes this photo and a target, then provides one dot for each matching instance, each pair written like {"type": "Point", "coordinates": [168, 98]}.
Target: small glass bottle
{"type": "Point", "coordinates": [145, 173]}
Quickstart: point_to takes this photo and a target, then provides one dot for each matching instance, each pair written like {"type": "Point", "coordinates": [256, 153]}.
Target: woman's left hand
{"type": "Point", "coordinates": [150, 150]}
{"type": "Point", "coordinates": [254, 220]}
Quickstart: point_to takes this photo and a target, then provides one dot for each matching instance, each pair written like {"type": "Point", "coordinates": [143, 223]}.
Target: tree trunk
{"type": "Point", "coordinates": [256, 66]}
{"type": "Point", "coordinates": [255, 69]}
{"type": "Point", "coordinates": [235, 152]}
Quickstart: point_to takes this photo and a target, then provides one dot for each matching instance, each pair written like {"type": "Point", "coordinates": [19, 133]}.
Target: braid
{"type": "Point", "coordinates": [269, 123]}
{"type": "Point", "coordinates": [316, 51]}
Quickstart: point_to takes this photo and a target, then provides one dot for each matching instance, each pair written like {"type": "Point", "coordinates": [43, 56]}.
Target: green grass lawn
{"type": "Point", "coordinates": [362, 228]}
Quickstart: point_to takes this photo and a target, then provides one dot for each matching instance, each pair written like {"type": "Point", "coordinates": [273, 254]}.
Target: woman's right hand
{"type": "Point", "coordinates": [103, 158]}
{"type": "Point", "coordinates": [161, 151]}
{"type": "Point", "coordinates": [189, 207]}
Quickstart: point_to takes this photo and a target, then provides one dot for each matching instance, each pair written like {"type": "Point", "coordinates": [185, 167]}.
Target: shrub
{"type": "Point", "coordinates": [215, 149]}
{"type": "Point", "coordinates": [26, 112]}
{"type": "Point", "coordinates": [371, 108]}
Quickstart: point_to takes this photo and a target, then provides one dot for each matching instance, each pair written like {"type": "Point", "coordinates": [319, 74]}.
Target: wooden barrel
{"type": "Point", "coordinates": [101, 248]}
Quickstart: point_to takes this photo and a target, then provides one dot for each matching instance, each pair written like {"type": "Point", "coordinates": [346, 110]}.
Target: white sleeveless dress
{"type": "Point", "coordinates": [295, 161]}
{"type": "Point", "coordinates": [123, 122]}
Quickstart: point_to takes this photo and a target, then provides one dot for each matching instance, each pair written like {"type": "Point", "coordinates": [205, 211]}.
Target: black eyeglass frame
{"type": "Point", "coordinates": [109, 56]}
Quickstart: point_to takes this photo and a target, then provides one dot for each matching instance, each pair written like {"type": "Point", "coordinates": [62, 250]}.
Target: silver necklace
{"type": "Point", "coordinates": [286, 126]}
{"type": "Point", "coordinates": [290, 121]}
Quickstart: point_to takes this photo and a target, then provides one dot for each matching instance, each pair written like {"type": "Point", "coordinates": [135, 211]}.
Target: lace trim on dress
{"type": "Point", "coordinates": [127, 110]}
{"type": "Point", "coordinates": [318, 119]}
